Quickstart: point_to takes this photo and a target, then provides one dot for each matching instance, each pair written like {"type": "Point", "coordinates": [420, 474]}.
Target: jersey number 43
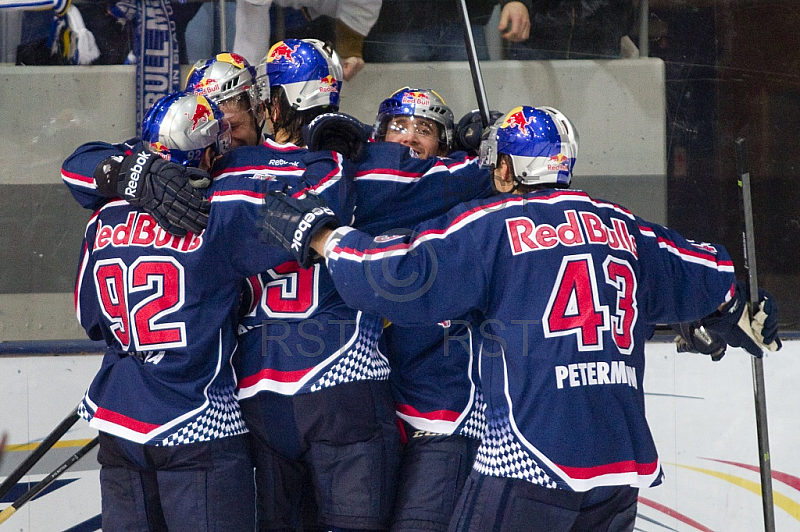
{"type": "Point", "coordinates": [575, 305]}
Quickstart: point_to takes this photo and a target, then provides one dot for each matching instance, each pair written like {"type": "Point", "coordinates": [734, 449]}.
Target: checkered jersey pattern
{"type": "Point", "coordinates": [501, 455]}
{"type": "Point", "coordinates": [362, 362]}
{"type": "Point", "coordinates": [222, 418]}
{"type": "Point", "coordinates": [83, 412]}
{"type": "Point", "coordinates": [475, 425]}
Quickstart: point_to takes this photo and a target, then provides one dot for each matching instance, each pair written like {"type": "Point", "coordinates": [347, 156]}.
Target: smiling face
{"type": "Point", "coordinates": [419, 134]}
{"type": "Point", "coordinates": [244, 131]}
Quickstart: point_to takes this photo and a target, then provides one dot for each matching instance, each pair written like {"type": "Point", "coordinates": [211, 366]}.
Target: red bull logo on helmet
{"type": "Point", "coordinates": [202, 113]}
{"type": "Point", "coordinates": [558, 163]}
{"type": "Point", "coordinates": [416, 98]}
{"type": "Point", "coordinates": [161, 150]}
{"type": "Point", "coordinates": [328, 84]}
{"type": "Point", "coordinates": [516, 118]}
{"type": "Point", "coordinates": [281, 52]}
{"type": "Point", "coordinates": [206, 86]}
{"type": "Point", "coordinates": [234, 59]}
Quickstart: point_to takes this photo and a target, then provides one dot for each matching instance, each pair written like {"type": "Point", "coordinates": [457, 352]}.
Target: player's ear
{"type": "Point", "coordinates": [208, 158]}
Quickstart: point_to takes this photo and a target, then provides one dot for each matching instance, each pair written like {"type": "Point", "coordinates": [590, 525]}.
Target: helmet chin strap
{"type": "Point", "coordinates": [517, 184]}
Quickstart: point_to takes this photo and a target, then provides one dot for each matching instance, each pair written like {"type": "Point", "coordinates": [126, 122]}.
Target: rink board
{"type": "Point", "coordinates": [701, 413]}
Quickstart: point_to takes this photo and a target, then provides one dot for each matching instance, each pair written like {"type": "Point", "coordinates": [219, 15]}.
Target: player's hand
{"type": "Point", "coordinates": [733, 324]}
{"type": "Point", "coordinates": [165, 190]}
{"type": "Point", "coordinates": [292, 223]}
{"type": "Point", "coordinates": [515, 22]}
{"type": "Point", "coordinates": [351, 66]}
{"type": "Point", "coordinates": [470, 130]}
{"type": "Point", "coordinates": [693, 337]}
{"type": "Point", "coordinates": [340, 133]}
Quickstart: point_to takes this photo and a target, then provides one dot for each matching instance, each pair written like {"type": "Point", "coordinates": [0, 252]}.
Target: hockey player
{"type": "Point", "coordinates": [305, 80]}
{"type": "Point", "coordinates": [432, 374]}
{"type": "Point", "coordinates": [173, 197]}
{"type": "Point", "coordinates": [417, 118]}
{"type": "Point", "coordinates": [228, 80]}
{"type": "Point", "coordinates": [571, 288]}
{"type": "Point", "coordinates": [303, 441]}
{"type": "Point", "coordinates": [171, 430]}
{"type": "Point", "coordinates": [296, 312]}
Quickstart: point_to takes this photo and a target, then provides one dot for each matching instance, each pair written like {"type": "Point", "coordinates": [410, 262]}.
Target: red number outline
{"type": "Point", "coordinates": [111, 279]}
{"type": "Point", "coordinates": [620, 275]}
{"type": "Point", "coordinates": [290, 291]}
{"type": "Point", "coordinates": [567, 311]}
{"type": "Point", "coordinates": [571, 310]}
{"type": "Point", "coordinates": [164, 276]}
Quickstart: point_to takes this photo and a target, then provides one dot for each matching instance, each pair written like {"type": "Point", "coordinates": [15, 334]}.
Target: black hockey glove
{"type": "Point", "coordinates": [167, 191]}
{"type": "Point", "coordinates": [734, 326]}
{"type": "Point", "coordinates": [292, 222]}
{"type": "Point", "coordinates": [470, 129]}
{"type": "Point", "coordinates": [338, 132]}
{"type": "Point", "coordinates": [694, 338]}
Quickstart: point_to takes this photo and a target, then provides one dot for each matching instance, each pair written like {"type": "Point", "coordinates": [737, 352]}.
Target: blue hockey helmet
{"type": "Point", "coordinates": [421, 103]}
{"type": "Point", "coordinates": [309, 71]}
{"type": "Point", "coordinates": [180, 126]}
{"type": "Point", "coordinates": [541, 142]}
{"type": "Point", "coordinates": [224, 76]}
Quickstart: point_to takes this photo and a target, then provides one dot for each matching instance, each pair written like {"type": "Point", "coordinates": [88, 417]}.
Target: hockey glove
{"type": "Point", "coordinates": [734, 326]}
{"type": "Point", "coordinates": [340, 133]}
{"type": "Point", "coordinates": [292, 222]}
{"type": "Point", "coordinates": [167, 191]}
{"type": "Point", "coordinates": [695, 338]}
{"type": "Point", "coordinates": [470, 129]}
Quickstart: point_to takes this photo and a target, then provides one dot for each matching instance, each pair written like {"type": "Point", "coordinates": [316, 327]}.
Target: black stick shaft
{"type": "Point", "coordinates": [46, 481]}
{"type": "Point", "coordinates": [474, 66]}
{"type": "Point", "coordinates": [40, 451]}
{"type": "Point", "coordinates": [764, 462]}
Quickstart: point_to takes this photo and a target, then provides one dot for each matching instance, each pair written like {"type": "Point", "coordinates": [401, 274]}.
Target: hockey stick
{"type": "Point", "coordinates": [474, 66]}
{"type": "Point", "coordinates": [46, 481]}
{"type": "Point", "coordinates": [765, 467]}
{"type": "Point", "coordinates": [40, 451]}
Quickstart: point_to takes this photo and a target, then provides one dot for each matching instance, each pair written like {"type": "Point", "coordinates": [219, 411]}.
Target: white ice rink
{"type": "Point", "coordinates": [702, 415]}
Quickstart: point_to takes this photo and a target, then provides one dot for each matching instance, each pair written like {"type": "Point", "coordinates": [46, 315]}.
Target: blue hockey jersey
{"type": "Point", "coordinates": [297, 333]}
{"type": "Point", "coordinates": [433, 378]}
{"type": "Point", "coordinates": [167, 308]}
{"type": "Point", "coordinates": [570, 288]}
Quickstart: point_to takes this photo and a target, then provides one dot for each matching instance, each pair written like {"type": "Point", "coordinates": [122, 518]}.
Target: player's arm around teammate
{"type": "Point", "coordinates": [567, 281]}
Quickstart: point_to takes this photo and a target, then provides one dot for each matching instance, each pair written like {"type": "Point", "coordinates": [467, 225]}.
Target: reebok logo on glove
{"type": "Point", "coordinates": [306, 223]}
{"type": "Point", "coordinates": [136, 173]}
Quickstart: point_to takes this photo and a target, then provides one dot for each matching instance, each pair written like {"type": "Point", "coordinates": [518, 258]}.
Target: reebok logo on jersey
{"type": "Point", "coordinates": [141, 229]}
{"type": "Point", "coordinates": [580, 227]}
{"type": "Point", "coordinates": [135, 173]}
{"type": "Point", "coordinates": [307, 223]}
{"type": "Point", "coordinates": [282, 162]}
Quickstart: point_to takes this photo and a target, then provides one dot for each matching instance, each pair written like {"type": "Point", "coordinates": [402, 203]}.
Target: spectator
{"type": "Point", "coordinates": [431, 30]}
{"type": "Point", "coordinates": [352, 21]}
{"type": "Point", "coordinates": [575, 29]}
